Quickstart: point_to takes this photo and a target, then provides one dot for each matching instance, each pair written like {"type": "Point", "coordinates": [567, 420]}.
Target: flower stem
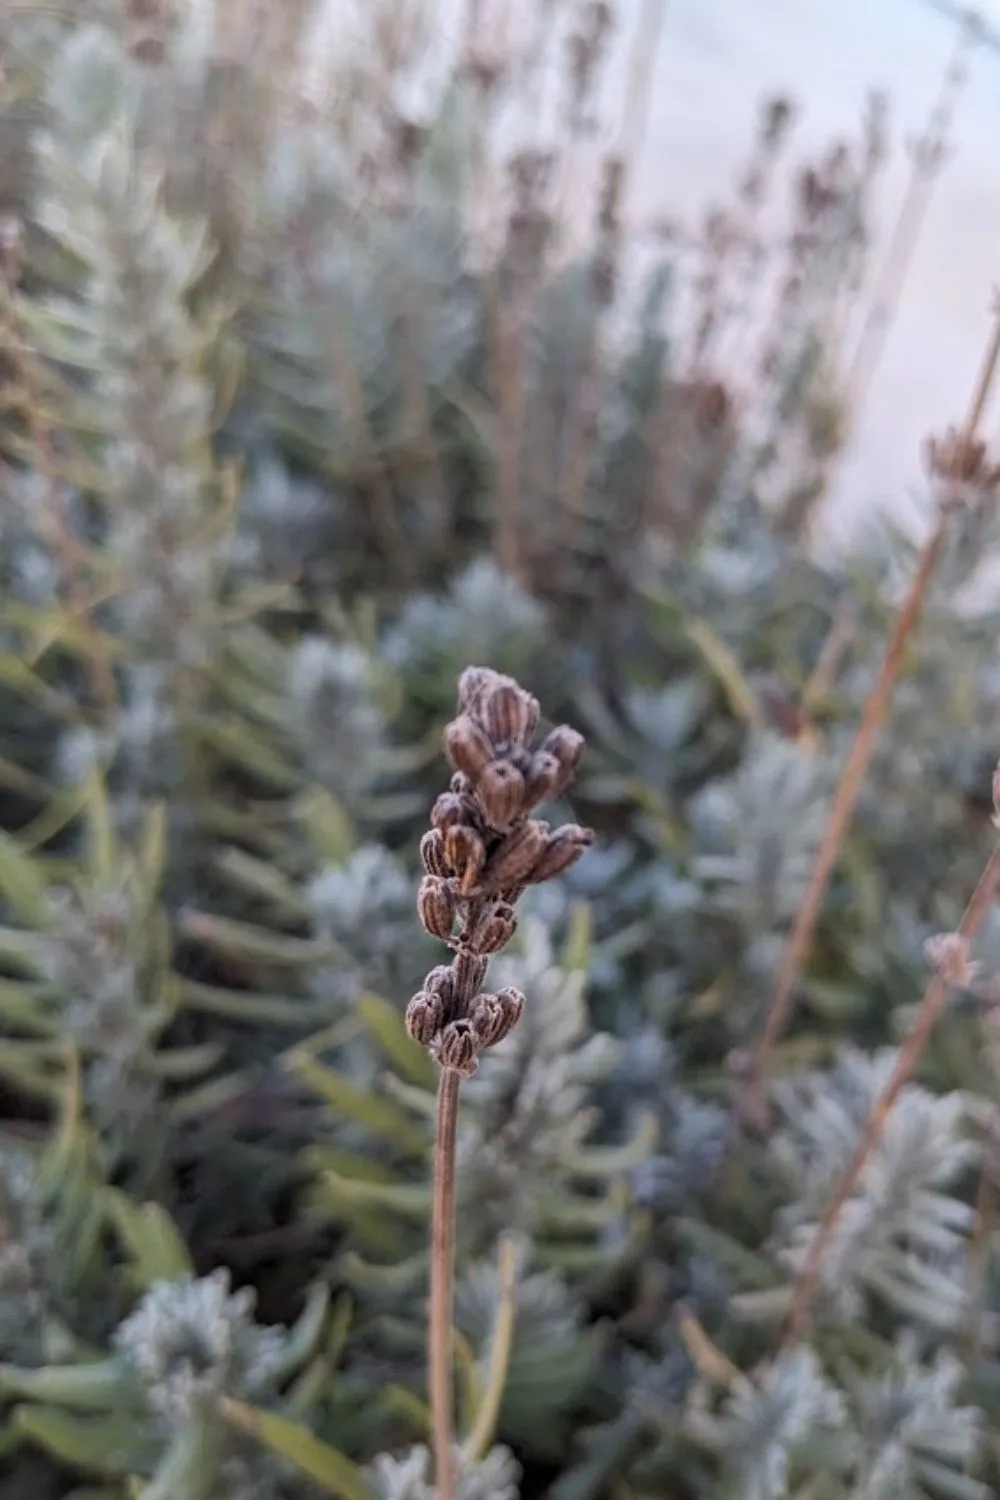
{"type": "Point", "coordinates": [443, 1285]}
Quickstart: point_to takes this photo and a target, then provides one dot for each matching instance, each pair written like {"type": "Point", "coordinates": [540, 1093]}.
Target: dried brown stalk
{"type": "Point", "coordinates": [952, 477]}
{"type": "Point", "coordinates": [443, 1282]}
{"type": "Point", "coordinates": [931, 1009]}
{"type": "Point", "coordinates": [481, 852]}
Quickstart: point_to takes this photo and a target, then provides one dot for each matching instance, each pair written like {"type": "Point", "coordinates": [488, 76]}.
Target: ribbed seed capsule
{"type": "Point", "coordinates": [432, 854]}
{"type": "Point", "coordinates": [512, 1001]}
{"type": "Point", "coordinates": [472, 684]}
{"type": "Point", "coordinates": [436, 905]}
{"type": "Point", "coordinates": [448, 810]}
{"type": "Point", "coordinates": [457, 1048]}
{"type": "Point", "coordinates": [425, 1016]}
{"type": "Point", "coordinates": [563, 848]}
{"type": "Point", "coordinates": [493, 1016]}
{"type": "Point", "coordinates": [496, 928]}
{"type": "Point", "coordinates": [509, 714]}
{"type": "Point", "coordinates": [517, 855]}
{"type": "Point", "coordinates": [567, 746]}
{"type": "Point", "coordinates": [466, 853]}
{"type": "Point", "coordinates": [441, 981]}
{"type": "Point", "coordinates": [544, 777]}
{"type": "Point", "coordinates": [469, 746]}
{"type": "Point", "coordinates": [501, 794]}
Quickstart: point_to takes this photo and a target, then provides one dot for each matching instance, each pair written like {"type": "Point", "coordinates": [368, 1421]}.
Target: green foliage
{"type": "Point", "coordinates": [291, 435]}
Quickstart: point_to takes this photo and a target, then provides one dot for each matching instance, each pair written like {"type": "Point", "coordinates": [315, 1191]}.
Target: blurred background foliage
{"type": "Point", "coordinates": [314, 391]}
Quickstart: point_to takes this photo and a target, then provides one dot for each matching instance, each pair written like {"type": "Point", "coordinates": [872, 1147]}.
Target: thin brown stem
{"type": "Point", "coordinates": [849, 788]}
{"type": "Point", "coordinates": [844, 804]}
{"type": "Point", "coordinates": [443, 1285]}
{"type": "Point", "coordinates": [932, 1007]}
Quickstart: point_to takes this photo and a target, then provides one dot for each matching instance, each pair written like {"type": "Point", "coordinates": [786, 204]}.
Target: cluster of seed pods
{"type": "Point", "coordinates": [483, 849]}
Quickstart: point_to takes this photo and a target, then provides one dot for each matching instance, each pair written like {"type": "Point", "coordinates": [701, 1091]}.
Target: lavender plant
{"type": "Point", "coordinates": [482, 850]}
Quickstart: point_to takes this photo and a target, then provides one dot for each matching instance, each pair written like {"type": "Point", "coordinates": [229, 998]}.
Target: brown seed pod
{"type": "Point", "coordinates": [432, 854]}
{"type": "Point", "coordinates": [509, 714]}
{"type": "Point", "coordinates": [472, 684]}
{"type": "Point", "coordinates": [425, 1016]}
{"type": "Point", "coordinates": [493, 1016]}
{"type": "Point", "coordinates": [457, 1048]}
{"type": "Point", "coordinates": [516, 856]}
{"type": "Point", "coordinates": [448, 810]}
{"type": "Point", "coordinates": [466, 853]}
{"type": "Point", "coordinates": [441, 981]}
{"type": "Point", "coordinates": [563, 848]}
{"type": "Point", "coordinates": [544, 777]}
{"type": "Point", "coordinates": [468, 746]}
{"type": "Point", "coordinates": [496, 928]}
{"type": "Point", "coordinates": [513, 1002]}
{"type": "Point", "coordinates": [567, 746]}
{"type": "Point", "coordinates": [501, 794]}
{"type": "Point", "coordinates": [436, 905]}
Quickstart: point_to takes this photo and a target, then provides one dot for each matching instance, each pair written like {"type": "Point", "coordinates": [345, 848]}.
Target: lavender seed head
{"type": "Point", "coordinates": [481, 853]}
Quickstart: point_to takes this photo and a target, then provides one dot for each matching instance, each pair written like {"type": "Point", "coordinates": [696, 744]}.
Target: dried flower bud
{"type": "Point", "coordinates": [436, 906]}
{"type": "Point", "coordinates": [509, 714]}
{"type": "Point", "coordinates": [563, 848]}
{"type": "Point", "coordinates": [544, 778]}
{"type": "Point", "coordinates": [468, 746]}
{"type": "Point", "coordinates": [948, 953]}
{"type": "Point", "coordinates": [517, 855]}
{"type": "Point", "coordinates": [468, 974]}
{"type": "Point", "coordinates": [460, 784]}
{"type": "Point", "coordinates": [493, 1016]}
{"type": "Point", "coordinates": [457, 1048]}
{"type": "Point", "coordinates": [441, 981]}
{"type": "Point", "coordinates": [501, 794]}
{"type": "Point", "coordinates": [567, 746]}
{"type": "Point", "coordinates": [472, 684]}
{"type": "Point", "coordinates": [449, 809]}
{"type": "Point", "coordinates": [425, 1015]}
{"type": "Point", "coordinates": [495, 929]}
{"type": "Point", "coordinates": [466, 854]}
{"type": "Point", "coordinates": [432, 854]}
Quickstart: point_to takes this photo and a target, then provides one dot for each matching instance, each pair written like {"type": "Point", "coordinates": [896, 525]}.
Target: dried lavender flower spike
{"type": "Point", "coordinates": [480, 854]}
